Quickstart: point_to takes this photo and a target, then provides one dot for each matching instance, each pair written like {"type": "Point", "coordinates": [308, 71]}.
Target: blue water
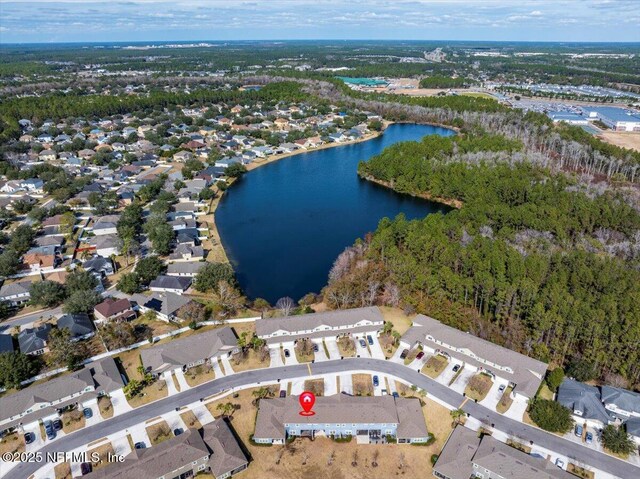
{"type": "Point", "coordinates": [283, 224]}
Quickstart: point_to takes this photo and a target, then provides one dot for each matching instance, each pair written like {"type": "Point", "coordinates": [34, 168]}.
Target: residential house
{"type": "Point", "coordinates": [79, 325]}
{"type": "Point", "coordinates": [112, 309]}
{"type": "Point", "coordinates": [6, 343]}
{"type": "Point", "coordinates": [98, 266]}
{"type": "Point", "coordinates": [15, 294]}
{"type": "Point", "coordinates": [632, 426]}
{"type": "Point", "coordinates": [183, 156]}
{"type": "Point", "coordinates": [185, 252]}
{"type": "Point", "coordinates": [170, 284]}
{"type": "Point", "coordinates": [212, 450]}
{"type": "Point", "coordinates": [584, 402]}
{"type": "Point", "coordinates": [184, 268]}
{"type": "Point", "coordinates": [47, 155]}
{"type": "Point", "coordinates": [621, 403]}
{"type": "Point", "coordinates": [523, 373]}
{"type": "Point", "coordinates": [40, 263]}
{"type": "Point", "coordinates": [33, 341]}
{"type": "Point", "coordinates": [105, 245]}
{"type": "Point", "coordinates": [165, 305]}
{"type": "Point", "coordinates": [356, 322]}
{"type": "Point", "coordinates": [42, 400]}
{"type": "Point", "coordinates": [368, 419]}
{"type": "Point", "coordinates": [188, 352]}
{"type": "Point", "coordinates": [466, 454]}
{"type": "Point", "coordinates": [106, 225]}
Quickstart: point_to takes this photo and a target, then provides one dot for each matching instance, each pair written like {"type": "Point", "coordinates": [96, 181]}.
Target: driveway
{"type": "Point", "coordinates": [346, 383]}
{"type": "Point", "coordinates": [517, 409]}
{"type": "Point", "coordinates": [332, 347]}
{"type": "Point", "coordinates": [447, 375]}
{"type": "Point", "coordinates": [418, 364]}
{"type": "Point", "coordinates": [171, 386]}
{"type": "Point", "coordinates": [321, 354]}
{"type": "Point", "coordinates": [34, 427]}
{"type": "Point", "coordinates": [330, 385]}
{"type": "Point", "coordinates": [396, 356]}
{"type": "Point", "coordinates": [461, 381]}
{"type": "Point", "coordinates": [288, 361]}
{"type": "Point", "coordinates": [276, 357]}
{"type": "Point", "coordinates": [182, 381]}
{"type": "Point", "coordinates": [375, 348]}
{"type": "Point", "coordinates": [226, 364]}
{"type": "Point", "coordinates": [217, 370]}
{"type": "Point", "coordinates": [377, 390]}
{"type": "Point", "coordinates": [119, 402]}
{"type": "Point", "coordinates": [494, 395]}
{"type": "Point", "coordinates": [174, 421]}
{"type": "Point", "coordinates": [139, 434]}
{"type": "Point", "coordinates": [96, 418]}
{"type": "Point", "coordinates": [202, 413]}
{"type": "Point", "coordinates": [361, 351]}
{"type": "Point", "coordinates": [297, 386]}
{"type": "Point", "coordinates": [121, 444]}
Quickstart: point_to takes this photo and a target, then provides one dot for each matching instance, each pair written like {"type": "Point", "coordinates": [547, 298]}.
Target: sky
{"type": "Point", "coordinates": [44, 21]}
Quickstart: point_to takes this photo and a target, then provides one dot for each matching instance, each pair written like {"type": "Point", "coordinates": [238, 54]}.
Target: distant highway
{"type": "Point", "coordinates": [555, 443]}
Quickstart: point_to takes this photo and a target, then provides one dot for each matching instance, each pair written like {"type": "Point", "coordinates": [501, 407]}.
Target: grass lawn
{"type": "Point", "coordinates": [190, 419]}
{"type": "Point", "coordinates": [249, 328]}
{"type": "Point", "coordinates": [411, 356]}
{"type": "Point", "coordinates": [388, 344]}
{"type": "Point", "coordinates": [362, 385]}
{"type": "Point", "coordinates": [63, 471]}
{"type": "Point", "coordinates": [545, 392]}
{"type": "Point", "coordinates": [176, 384]}
{"type": "Point", "coordinates": [105, 406]}
{"type": "Point", "coordinates": [519, 446]}
{"type": "Point", "coordinates": [401, 322]}
{"type": "Point", "coordinates": [434, 366]}
{"type": "Point", "coordinates": [72, 420]}
{"type": "Point", "coordinates": [157, 326]}
{"type": "Point", "coordinates": [347, 347]}
{"type": "Point", "coordinates": [304, 351]}
{"type": "Point", "coordinates": [250, 360]}
{"type": "Point", "coordinates": [316, 386]}
{"type": "Point", "coordinates": [103, 452]}
{"type": "Point", "coordinates": [505, 401]}
{"type": "Point", "coordinates": [13, 442]}
{"type": "Point", "coordinates": [477, 94]}
{"type": "Point", "coordinates": [478, 387]}
{"type": "Point", "coordinates": [579, 471]}
{"type": "Point", "coordinates": [130, 361]}
{"type": "Point", "coordinates": [199, 374]}
{"type": "Point", "coordinates": [159, 432]}
{"type": "Point", "coordinates": [150, 393]}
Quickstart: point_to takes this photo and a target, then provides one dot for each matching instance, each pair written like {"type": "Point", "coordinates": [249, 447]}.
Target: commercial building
{"type": "Point", "coordinates": [368, 419]}
{"type": "Point", "coordinates": [618, 119]}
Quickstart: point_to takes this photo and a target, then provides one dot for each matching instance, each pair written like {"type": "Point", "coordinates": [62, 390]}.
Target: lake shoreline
{"type": "Point", "coordinates": [457, 204]}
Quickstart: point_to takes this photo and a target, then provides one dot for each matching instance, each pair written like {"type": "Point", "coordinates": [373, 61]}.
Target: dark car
{"type": "Point", "coordinates": [57, 424]}
{"type": "Point", "coordinates": [395, 394]}
{"type": "Point", "coordinates": [362, 343]}
{"type": "Point", "coordinates": [177, 431]}
{"type": "Point", "coordinates": [315, 348]}
{"type": "Point", "coordinates": [376, 381]}
{"type": "Point", "coordinates": [589, 438]}
{"type": "Point", "coordinates": [283, 394]}
{"type": "Point", "coordinates": [49, 430]}
{"type": "Point", "coordinates": [85, 468]}
{"type": "Point", "coordinates": [578, 430]}
{"type": "Point", "coordinates": [29, 437]}
{"type": "Point", "coordinates": [286, 353]}
{"type": "Point", "coordinates": [140, 445]}
{"type": "Point", "coordinates": [404, 353]}
{"type": "Point", "coordinates": [370, 340]}
{"type": "Point", "coordinates": [420, 355]}
{"type": "Point", "coordinates": [456, 368]}
{"type": "Point", "coordinates": [88, 413]}
{"type": "Point", "coordinates": [502, 388]}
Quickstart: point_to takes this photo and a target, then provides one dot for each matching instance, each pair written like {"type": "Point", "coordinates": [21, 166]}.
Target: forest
{"type": "Point", "coordinates": [526, 261]}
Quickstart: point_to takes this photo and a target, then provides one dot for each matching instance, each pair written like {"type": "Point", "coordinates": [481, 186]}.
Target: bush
{"type": "Point", "coordinates": [617, 440]}
{"type": "Point", "coordinates": [551, 416]}
{"type": "Point", "coordinates": [554, 379]}
{"type": "Point", "coordinates": [434, 459]}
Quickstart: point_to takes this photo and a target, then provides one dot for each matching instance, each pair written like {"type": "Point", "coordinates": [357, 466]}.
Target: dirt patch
{"type": "Point", "coordinates": [63, 471]}
{"type": "Point", "coordinates": [150, 393]}
{"type": "Point", "coordinates": [347, 347]}
{"type": "Point", "coordinates": [362, 385]}
{"type": "Point", "coordinates": [13, 442]}
{"type": "Point", "coordinates": [304, 351]}
{"type": "Point", "coordinates": [103, 454]}
{"type": "Point", "coordinates": [434, 366]}
{"type": "Point", "coordinates": [250, 359]}
{"type": "Point", "coordinates": [105, 406]}
{"type": "Point", "coordinates": [505, 401]}
{"type": "Point", "coordinates": [199, 374]}
{"type": "Point", "coordinates": [401, 322]}
{"type": "Point", "coordinates": [72, 420]}
{"type": "Point", "coordinates": [316, 386]}
{"type": "Point", "coordinates": [412, 355]}
{"type": "Point", "coordinates": [478, 387]}
{"type": "Point", "coordinates": [190, 419]}
{"type": "Point", "coordinates": [623, 139]}
{"type": "Point", "coordinates": [159, 432]}
{"type": "Point", "coordinates": [579, 471]}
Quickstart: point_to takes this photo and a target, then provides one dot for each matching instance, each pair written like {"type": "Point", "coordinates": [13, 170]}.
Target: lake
{"type": "Point", "coordinates": [283, 224]}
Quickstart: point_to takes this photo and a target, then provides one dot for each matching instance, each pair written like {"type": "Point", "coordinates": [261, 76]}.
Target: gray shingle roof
{"type": "Point", "coordinates": [226, 454]}
{"type": "Point", "coordinates": [189, 267]}
{"type": "Point", "coordinates": [34, 339]}
{"type": "Point", "coordinates": [6, 343]}
{"type": "Point", "coordinates": [623, 399]}
{"type": "Point", "coordinates": [581, 397]}
{"type": "Point", "coordinates": [77, 324]}
{"type": "Point", "coordinates": [632, 426]}
{"type": "Point", "coordinates": [14, 289]}
{"type": "Point", "coordinates": [164, 303]}
{"type": "Point", "coordinates": [525, 372]}
{"type": "Point", "coordinates": [171, 282]}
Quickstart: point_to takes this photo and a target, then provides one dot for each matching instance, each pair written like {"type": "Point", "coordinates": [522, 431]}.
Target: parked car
{"type": "Point", "coordinates": [29, 437]}
{"type": "Point", "coordinates": [420, 355]}
{"type": "Point", "coordinates": [404, 353]}
{"type": "Point", "coordinates": [589, 438]}
{"type": "Point", "coordinates": [456, 368]}
{"type": "Point", "coordinates": [560, 463]}
{"type": "Point", "coordinates": [57, 424]}
{"type": "Point", "coordinates": [362, 343]}
{"type": "Point", "coordinates": [177, 431]}
{"type": "Point", "coordinates": [286, 353]}
{"type": "Point", "coordinates": [370, 340]}
{"type": "Point", "coordinates": [140, 445]}
{"type": "Point", "coordinates": [85, 468]}
{"type": "Point", "coordinates": [376, 381]}
{"type": "Point", "coordinates": [88, 413]}
{"type": "Point", "coordinates": [578, 430]}
{"type": "Point", "coordinates": [49, 430]}
{"type": "Point", "coordinates": [395, 394]}
{"type": "Point", "coordinates": [502, 388]}
{"type": "Point", "coordinates": [315, 348]}
{"type": "Point", "coordinates": [283, 394]}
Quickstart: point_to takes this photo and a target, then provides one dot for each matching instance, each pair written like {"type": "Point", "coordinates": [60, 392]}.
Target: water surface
{"type": "Point", "coordinates": [283, 224]}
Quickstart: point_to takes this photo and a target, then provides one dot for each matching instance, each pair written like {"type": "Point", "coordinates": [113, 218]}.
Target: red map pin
{"type": "Point", "coordinates": [307, 400]}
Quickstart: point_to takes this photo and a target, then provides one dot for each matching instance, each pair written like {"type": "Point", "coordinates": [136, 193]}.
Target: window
{"type": "Point", "coordinates": [201, 467]}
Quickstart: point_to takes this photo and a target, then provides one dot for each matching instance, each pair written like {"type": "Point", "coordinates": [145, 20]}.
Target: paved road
{"type": "Point", "coordinates": [30, 318]}
{"type": "Point", "coordinates": [119, 423]}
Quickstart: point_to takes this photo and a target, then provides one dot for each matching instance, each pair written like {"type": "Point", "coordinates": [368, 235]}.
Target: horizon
{"type": "Point", "coordinates": [98, 21]}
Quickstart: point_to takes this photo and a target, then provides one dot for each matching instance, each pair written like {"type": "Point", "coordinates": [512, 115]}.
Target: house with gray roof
{"type": "Point", "coordinates": [523, 373]}
{"type": "Point", "coordinates": [213, 449]}
{"type": "Point", "coordinates": [632, 426]}
{"type": "Point", "coordinates": [368, 418]}
{"type": "Point", "coordinates": [585, 403]}
{"type": "Point", "coordinates": [185, 252]}
{"type": "Point", "coordinates": [15, 294]}
{"type": "Point", "coordinates": [191, 351]}
{"type": "Point", "coordinates": [466, 455]}
{"type": "Point", "coordinates": [105, 245]}
{"type": "Point", "coordinates": [622, 403]}
{"type": "Point", "coordinates": [105, 225]}
{"type": "Point", "coordinates": [170, 284]}
{"type": "Point", "coordinates": [48, 398]}
{"type": "Point", "coordinates": [79, 325]}
{"type": "Point", "coordinates": [34, 341]}
{"type": "Point", "coordinates": [185, 268]}
{"type": "Point", "coordinates": [6, 343]}
{"type": "Point", "coordinates": [358, 321]}
{"type": "Point", "coordinates": [165, 305]}
{"type": "Point", "coordinates": [99, 267]}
